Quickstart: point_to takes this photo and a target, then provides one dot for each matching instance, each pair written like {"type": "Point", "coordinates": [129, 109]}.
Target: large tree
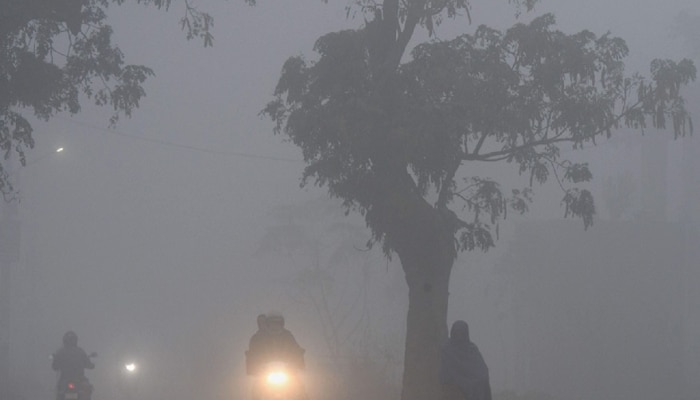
{"type": "Point", "coordinates": [53, 53]}
{"type": "Point", "coordinates": [394, 136]}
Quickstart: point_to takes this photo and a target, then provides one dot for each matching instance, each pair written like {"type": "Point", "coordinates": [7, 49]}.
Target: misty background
{"type": "Point", "coordinates": [162, 240]}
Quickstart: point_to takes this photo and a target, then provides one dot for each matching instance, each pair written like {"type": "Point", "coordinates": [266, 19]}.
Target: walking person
{"type": "Point", "coordinates": [463, 371]}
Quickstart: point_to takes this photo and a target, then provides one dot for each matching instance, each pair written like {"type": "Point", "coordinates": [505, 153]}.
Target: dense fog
{"type": "Point", "coordinates": [161, 240]}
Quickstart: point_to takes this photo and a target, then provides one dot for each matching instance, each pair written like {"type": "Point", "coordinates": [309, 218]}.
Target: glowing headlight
{"type": "Point", "coordinates": [277, 378]}
{"type": "Point", "coordinates": [130, 368]}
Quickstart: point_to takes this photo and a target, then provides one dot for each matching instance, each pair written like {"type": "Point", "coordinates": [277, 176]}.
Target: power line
{"type": "Point", "coordinates": [219, 152]}
{"type": "Point", "coordinates": [177, 145]}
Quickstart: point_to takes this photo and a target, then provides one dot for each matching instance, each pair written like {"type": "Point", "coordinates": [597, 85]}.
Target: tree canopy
{"type": "Point", "coordinates": [53, 53]}
{"type": "Point", "coordinates": [513, 96]}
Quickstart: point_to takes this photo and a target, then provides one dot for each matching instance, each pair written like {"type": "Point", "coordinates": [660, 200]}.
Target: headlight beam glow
{"type": "Point", "coordinates": [277, 378]}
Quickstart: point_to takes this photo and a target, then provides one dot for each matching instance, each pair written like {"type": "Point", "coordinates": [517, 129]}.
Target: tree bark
{"type": "Point", "coordinates": [424, 242]}
{"type": "Point", "coordinates": [426, 328]}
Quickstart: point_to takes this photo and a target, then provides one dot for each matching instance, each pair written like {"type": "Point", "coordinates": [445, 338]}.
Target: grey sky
{"type": "Point", "coordinates": [144, 245]}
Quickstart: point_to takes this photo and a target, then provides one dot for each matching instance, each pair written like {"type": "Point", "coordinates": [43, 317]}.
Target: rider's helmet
{"type": "Point", "coordinates": [70, 339]}
{"type": "Point", "coordinates": [275, 321]}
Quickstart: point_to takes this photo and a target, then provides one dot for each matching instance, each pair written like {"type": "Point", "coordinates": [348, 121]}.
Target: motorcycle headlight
{"type": "Point", "coordinates": [277, 378]}
{"type": "Point", "coordinates": [131, 367]}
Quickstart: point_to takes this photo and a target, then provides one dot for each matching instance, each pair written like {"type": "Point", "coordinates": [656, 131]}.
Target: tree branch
{"type": "Point", "coordinates": [507, 152]}
{"type": "Point", "coordinates": [479, 144]}
{"type": "Point", "coordinates": [435, 10]}
{"type": "Point", "coordinates": [554, 171]}
{"type": "Point", "coordinates": [494, 156]}
{"type": "Point", "coordinates": [445, 192]}
{"type": "Point", "coordinates": [404, 36]}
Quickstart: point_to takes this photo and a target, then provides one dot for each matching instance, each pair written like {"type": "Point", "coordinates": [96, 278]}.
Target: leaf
{"type": "Point", "coordinates": [475, 235]}
{"type": "Point", "coordinates": [579, 203]}
{"type": "Point", "coordinates": [539, 172]}
{"type": "Point", "coordinates": [577, 173]}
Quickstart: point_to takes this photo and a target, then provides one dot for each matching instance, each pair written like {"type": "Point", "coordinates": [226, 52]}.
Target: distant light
{"type": "Point", "coordinates": [131, 367]}
{"type": "Point", "coordinates": [60, 149]}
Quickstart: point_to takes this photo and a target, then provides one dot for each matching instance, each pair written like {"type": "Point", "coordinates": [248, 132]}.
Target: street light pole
{"type": "Point", "coordinates": [9, 256]}
{"type": "Point", "coordinates": [10, 236]}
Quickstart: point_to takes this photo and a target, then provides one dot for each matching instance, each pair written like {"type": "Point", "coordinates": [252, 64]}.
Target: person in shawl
{"type": "Point", "coordinates": [463, 371]}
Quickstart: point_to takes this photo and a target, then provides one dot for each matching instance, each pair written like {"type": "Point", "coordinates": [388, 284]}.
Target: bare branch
{"type": "Point", "coordinates": [446, 185]}
{"type": "Point", "coordinates": [480, 143]}
{"type": "Point", "coordinates": [509, 151]}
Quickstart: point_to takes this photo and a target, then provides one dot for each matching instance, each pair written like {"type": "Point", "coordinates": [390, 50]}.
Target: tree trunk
{"type": "Point", "coordinates": [421, 235]}
{"type": "Point", "coordinates": [424, 242]}
{"type": "Point", "coordinates": [426, 328]}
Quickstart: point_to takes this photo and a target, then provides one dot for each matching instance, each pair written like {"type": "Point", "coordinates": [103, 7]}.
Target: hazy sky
{"type": "Point", "coordinates": [142, 239]}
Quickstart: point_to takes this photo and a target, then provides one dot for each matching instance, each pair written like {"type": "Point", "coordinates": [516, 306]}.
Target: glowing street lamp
{"type": "Point", "coordinates": [45, 155]}
{"type": "Point", "coordinates": [130, 367]}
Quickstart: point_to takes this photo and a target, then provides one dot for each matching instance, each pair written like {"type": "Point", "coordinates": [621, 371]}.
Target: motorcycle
{"type": "Point", "coordinates": [278, 381]}
{"type": "Point", "coordinates": [75, 389]}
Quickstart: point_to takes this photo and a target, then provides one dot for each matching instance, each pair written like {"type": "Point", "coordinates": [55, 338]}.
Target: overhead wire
{"type": "Point", "coordinates": [174, 144]}
{"type": "Point", "coordinates": [212, 151]}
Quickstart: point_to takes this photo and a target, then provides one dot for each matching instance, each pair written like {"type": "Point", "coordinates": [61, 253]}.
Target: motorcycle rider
{"type": "Point", "coordinates": [279, 343]}
{"type": "Point", "coordinates": [272, 343]}
{"type": "Point", "coordinates": [71, 361]}
{"type": "Point", "coordinates": [256, 346]}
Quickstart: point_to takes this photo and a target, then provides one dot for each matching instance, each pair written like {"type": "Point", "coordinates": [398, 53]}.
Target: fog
{"type": "Point", "coordinates": [162, 240]}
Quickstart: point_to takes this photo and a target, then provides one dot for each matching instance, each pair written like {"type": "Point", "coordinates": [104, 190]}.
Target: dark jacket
{"type": "Point", "coordinates": [72, 363]}
{"type": "Point", "coordinates": [253, 355]}
{"type": "Point", "coordinates": [268, 346]}
{"type": "Point", "coordinates": [462, 365]}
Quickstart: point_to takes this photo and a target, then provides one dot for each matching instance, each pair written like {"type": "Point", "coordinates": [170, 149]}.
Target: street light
{"type": "Point", "coordinates": [10, 223]}
{"type": "Point", "coordinates": [45, 155]}
{"type": "Point", "coordinates": [130, 380]}
{"type": "Point", "coordinates": [131, 367]}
